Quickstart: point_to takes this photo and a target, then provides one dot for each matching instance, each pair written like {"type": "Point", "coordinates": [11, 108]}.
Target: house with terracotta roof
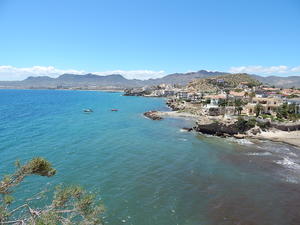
{"type": "Point", "coordinates": [269, 105]}
{"type": "Point", "coordinates": [214, 100]}
{"type": "Point", "coordinates": [236, 94]}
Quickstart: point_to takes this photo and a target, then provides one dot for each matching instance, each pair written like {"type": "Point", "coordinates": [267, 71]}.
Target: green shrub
{"type": "Point", "coordinates": [244, 125]}
{"type": "Point", "coordinates": [69, 205]}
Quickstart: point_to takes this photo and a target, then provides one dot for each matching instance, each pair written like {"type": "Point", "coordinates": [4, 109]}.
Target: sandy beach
{"type": "Point", "coordinates": [292, 137]}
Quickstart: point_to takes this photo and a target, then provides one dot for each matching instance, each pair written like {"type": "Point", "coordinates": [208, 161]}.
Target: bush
{"type": "Point", "coordinates": [69, 205]}
{"type": "Point", "coordinates": [262, 125]}
{"type": "Point", "coordinates": [244, 125]}
{"type": "Point", "coordinates": [251, 123]}
{"type": "Point", "coordinates": [288, 111]}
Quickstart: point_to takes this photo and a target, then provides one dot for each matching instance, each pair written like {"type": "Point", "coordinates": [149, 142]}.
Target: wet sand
{"type": "Point", "coordinates": [292, 137]}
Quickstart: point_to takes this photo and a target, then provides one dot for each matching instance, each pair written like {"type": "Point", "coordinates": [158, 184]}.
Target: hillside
{"type": "Point", "coordinates": [92, 81]}
{"type": "Point", "coordinates": [219, 82]}
{"type": "Point", "coordinates": [182, 78]}
{"type": "Point", "coordinates": [116, 80]}
{"type": "Point", "coordinates": [99, 82]}
{"type": "Point", "coordinates": [73, 81]}
{"type": "Point", "coordinates": [285, 82]}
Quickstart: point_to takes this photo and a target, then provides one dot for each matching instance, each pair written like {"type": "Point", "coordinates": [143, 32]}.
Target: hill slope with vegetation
{"type": "Point", "coordinates": [222, 82]}
{"type": "Point", "coordinates": [283, 82]}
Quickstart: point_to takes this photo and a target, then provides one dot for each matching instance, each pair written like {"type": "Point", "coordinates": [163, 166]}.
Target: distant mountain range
{"type": "Point", "coordinates": [117, 81]}
{"type": "Point", "coordinates": [290, 81]}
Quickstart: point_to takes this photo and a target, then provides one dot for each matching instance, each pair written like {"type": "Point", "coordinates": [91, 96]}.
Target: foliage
{"type": "Point", "coordinates": [254, 84]}
{"type": "Point", "coordinates": [258, 109]}
{"type": "Point", "coordinates": [263, 125]}
{"type": "Point", "coordinates": [252, 94]}
{"type": "Point", "coordinates": [223, 102]}
{"type": "Point", "coordinates": [293, 96]}
{"type": "Point", "coordinates": [282, 111]}
{"type": "Point", "coordinates": [238, 90]}
{"type": "Point", "coordinates": [251, 122]}
{"type": "Point", "coordinates": [244, 125]}
{"type": "Point", "coordinates": [37, 166]}
{"type": "Point", "coordinates": [266, 116]}
{"type": "Point", "coordinates": [288, 111]}
{"type": "Point", "coordinates": [229, 81]}
{"type": "Point", "coordinates": [206, 102]}
{"type": "Point", "coordinates": [238, 103]}
{"type": "Point", "coordinates": [70, 205]}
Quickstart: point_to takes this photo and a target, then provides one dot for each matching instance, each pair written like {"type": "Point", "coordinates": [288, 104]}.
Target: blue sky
{"type": "Point", "coordinates": [148, 38]}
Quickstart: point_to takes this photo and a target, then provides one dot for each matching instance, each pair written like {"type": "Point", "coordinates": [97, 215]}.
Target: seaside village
{"type": "Point", "coordinates": [229, 98]}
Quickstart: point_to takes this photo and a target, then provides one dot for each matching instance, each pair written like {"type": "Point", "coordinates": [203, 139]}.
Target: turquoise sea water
{"type": "Point", "coordinates": [148, 172]}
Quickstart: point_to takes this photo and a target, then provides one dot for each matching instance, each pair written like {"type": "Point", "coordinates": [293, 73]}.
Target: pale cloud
{"type": "Point", "coordinates": [14, 73]}
{"type": "Point", "coordinates": [11, 73]}
{"type": "Point", "coordinates": [296, 69]}
{"type": "Point", "coordinates": [265, 69]}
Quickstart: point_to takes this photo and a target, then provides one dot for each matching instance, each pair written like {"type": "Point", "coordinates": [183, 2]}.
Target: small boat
{"type": "Point", "coordinates": [114, 110]}
{"type": "Point", "coordinates": [88, 110]}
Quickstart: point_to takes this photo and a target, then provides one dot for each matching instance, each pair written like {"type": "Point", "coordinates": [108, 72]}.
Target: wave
{"type": "Point", "coordinates": [259, 153]}
{"type": "Point", "coordinates": [182, 139]}
{"type": "Point", "coordinates": [241, 141]}
{"type": "Point", "coordinates": [183, 130]}
{"type": "Point", "coordinates": [288, 163]}
{"type": "Point", "coordinates": [291, 179]}
{"type": "Point", "coordinates": [293, 154]}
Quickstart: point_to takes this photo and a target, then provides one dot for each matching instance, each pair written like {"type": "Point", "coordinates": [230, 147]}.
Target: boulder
{"type": "Point", "coordinates": [254, 131]}
{"type": "Point", "coordinates": [153, 115]}
{"type": "Point", "coordinates": [217, 128]}
{"type": "Point", "coordinates": [239, 136]}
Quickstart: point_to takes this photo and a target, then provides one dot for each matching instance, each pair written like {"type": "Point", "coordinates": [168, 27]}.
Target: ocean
{"type": "Point", "coordinates": [147, 172]}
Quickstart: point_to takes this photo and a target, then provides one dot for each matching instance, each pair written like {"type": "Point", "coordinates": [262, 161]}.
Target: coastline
{"type": "Point", "coordinates": [288, 137]}
{"type": "Point", "coordinates": [61, 89]}
{"type": "Point", "coordinates": [176, 114]}
{"type": "Point", "coordinates": [275, 135]}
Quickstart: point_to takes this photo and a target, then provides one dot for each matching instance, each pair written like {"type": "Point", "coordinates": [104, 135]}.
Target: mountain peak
{"type": "Point", "coordinates": [39, 78]}
{"type": "Point", "coordinates": [117, 80]}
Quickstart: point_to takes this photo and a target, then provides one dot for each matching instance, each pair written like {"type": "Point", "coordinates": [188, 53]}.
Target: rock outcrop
{"type": "Point", "coordinates": [175, 105]}
{"type": "Point", "coordinates": [236, 128]}
{"type": "Point", "coordinates": [218, 129]}
{"type": "Point", "coordinates": [153, 115]}
{"type": "Point", "coordinates": [286, 126]}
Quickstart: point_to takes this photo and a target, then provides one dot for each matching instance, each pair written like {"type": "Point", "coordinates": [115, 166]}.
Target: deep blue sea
{"type": "Point", "coordinates": [147, 172]}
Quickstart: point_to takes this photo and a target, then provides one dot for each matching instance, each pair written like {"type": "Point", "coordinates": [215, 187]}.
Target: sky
{"type": "Point", "coordinates": [148, 38]}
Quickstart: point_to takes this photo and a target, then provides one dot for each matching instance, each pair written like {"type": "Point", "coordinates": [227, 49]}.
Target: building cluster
{"type": "Point", "coordinates": [242, 99]}
{"type": "Point", "coordinates": [162, 90]}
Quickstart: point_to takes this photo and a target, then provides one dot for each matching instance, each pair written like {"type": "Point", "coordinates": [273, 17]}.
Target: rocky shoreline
{"type": "Point", "coordinates": [153, 115]}
{"type": "Point", "coordinates": [237, 128]}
